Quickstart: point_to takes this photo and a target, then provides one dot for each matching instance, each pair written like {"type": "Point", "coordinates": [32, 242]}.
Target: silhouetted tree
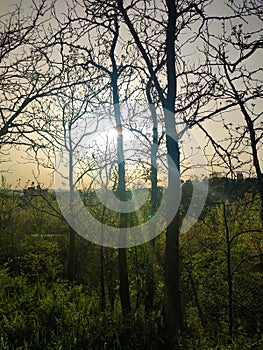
{"type": "Point", "coordinates": [232, 55]}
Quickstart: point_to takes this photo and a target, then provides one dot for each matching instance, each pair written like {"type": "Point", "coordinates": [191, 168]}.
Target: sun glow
{"type": "Point", "coordinates": [111, 134]}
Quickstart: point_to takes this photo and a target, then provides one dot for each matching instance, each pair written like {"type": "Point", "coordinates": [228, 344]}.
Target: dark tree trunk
{"type": "Point", "coordinates": [150, 282]}
{"type": "Point", "coordinates": [122, 256]}
{"type": "Point", "coordinates": [110, 277]}
{"type": "Point", "coordinates": [172, 305]}
{"type": "Point", "coordinates": [124, 282]}
{"type": "Point", "coordinates": [102, 283]}
{"type": "Point", "coordinates": [173, 308]}
{"type": "Point", "coordinates": [72, 255]}
{"type": "Point", "coordinates": [196, 298]}
{"type": "Point", "coordinates": [229, 274]}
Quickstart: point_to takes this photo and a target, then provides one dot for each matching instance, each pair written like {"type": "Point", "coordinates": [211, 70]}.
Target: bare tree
{"type": "Point", "coordinates": [69, 119]}
{"type": "Point", "coordinates": [156, 37]}
{"type": "Point", "coordinates": [24, 76]}
{"type": "Point", "coordinates": [232, 56]}
{"type": "Point", "coordinates": [31, 65]}
{"type": "Point", "coordinates": [101, 31]}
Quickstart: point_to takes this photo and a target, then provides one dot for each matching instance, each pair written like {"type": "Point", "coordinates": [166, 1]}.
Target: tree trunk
{"type": "Point", "coordinates": [72, 255]}
{"type": "Point", "coordinates": [173, 308]}
{"type": "Point", "coordinates": [102, 284]}
{"type": "Point", "coordinates": [122, 257]}
{"type": "Point", "coordinates": [110, 277]}
{"type": "Point", "coordinates": [229, 274]}
{"type": "Point", "coordinates": [196, 298]}
{"type": "Point", "coordinates": [172, 303]}
{"type": "Point", "coordinates": [150, 283]}
{"type": "Point", "coordinates": [72, 237]}
{"type": "Point", "coordinates": [124, 282]}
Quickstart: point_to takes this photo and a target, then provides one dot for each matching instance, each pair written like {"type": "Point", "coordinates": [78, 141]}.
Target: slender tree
{"type": "Point", "coordinates": [104, 26]}
{"type": "Point", "coordinates": [232, 56]}
{"type": "Point", "coordinates": [69, 121]}
{"type": "Point", "coordinates": [163, 23]}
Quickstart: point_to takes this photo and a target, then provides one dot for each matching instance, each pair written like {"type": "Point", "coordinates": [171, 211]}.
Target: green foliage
{"type": "Point", "coordinates": [64, 317]}
{"type": "Point", "coordinates": [40, 309]}
{"type": "Point", "coordinates": [205, 278]}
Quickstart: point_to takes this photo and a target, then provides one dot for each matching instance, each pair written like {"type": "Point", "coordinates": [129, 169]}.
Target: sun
{"type": "Point", "coordinates": [111, 134]}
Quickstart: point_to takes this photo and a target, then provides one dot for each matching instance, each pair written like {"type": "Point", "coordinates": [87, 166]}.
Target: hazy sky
{"type": "Point", "coordinates": [18, 167]}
